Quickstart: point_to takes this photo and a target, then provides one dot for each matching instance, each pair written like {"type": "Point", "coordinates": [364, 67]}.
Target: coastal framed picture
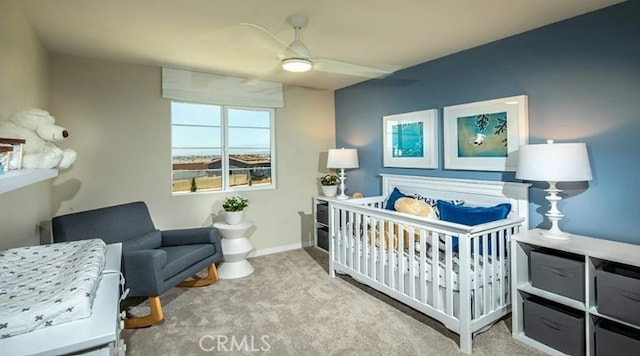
{"type": "Point", "coordinates": [486, 135]}
{"type": "Point", "coordinates": [410, 140]}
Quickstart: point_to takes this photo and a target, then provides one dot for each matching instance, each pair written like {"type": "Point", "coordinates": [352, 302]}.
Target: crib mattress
{"type": "Point", "coordinates": [365, 253]}
{"type": "Point", "coordinates": [43, 286]}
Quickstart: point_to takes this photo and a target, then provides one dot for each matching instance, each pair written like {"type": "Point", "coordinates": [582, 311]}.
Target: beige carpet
{"type": "Point", "coordinates": [290, 306]}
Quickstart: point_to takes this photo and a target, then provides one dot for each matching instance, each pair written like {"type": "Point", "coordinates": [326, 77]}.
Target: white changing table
{"type": "Point", "coordinates": [98, 334]}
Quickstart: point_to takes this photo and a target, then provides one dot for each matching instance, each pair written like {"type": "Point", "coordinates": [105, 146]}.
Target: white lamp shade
{"type": "Point", "coordinates": [554, 162]}
{"type": "Point", "coordinates": [342, 158]}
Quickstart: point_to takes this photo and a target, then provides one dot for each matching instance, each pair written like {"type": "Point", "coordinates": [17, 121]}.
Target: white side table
{"type": "Point", "coordinates": [235, 247]}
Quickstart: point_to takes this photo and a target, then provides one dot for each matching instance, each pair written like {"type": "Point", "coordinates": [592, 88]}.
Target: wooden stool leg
{"type": "Point", "coordinates": [212, 277]}
{"type": "Point", "coordinates": [155, 315]}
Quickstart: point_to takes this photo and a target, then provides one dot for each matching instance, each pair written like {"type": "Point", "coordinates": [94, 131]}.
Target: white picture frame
{"type": "Point", "coordinates": [410, 140]}
{"type": "Point", "coordinates": [474, 135]}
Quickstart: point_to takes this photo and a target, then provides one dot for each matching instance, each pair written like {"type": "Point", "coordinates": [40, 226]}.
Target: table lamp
{"type": "Point", "coordinates": [553, 163]}
{"type": "Point", "coordinates": [342, 158]}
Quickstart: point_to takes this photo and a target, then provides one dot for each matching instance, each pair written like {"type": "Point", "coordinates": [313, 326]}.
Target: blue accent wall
{"type": "Point", "coordinates": [582, 78]}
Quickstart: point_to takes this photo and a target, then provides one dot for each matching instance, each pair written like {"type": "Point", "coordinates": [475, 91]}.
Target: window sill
{"type": "Point", "coordinates": [17, 179]}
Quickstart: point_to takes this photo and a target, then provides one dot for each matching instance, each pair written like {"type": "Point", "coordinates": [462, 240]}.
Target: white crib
{"type": "Point", "coordinates": [473, 292]}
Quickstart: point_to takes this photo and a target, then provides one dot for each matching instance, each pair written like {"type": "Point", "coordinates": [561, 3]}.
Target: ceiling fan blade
{"type": "Point", "coordinates": [331, 66]}
{"type": "Point", "coordinates": [265, 74]}
{"type": "Point", "coordinates": [269, 41]}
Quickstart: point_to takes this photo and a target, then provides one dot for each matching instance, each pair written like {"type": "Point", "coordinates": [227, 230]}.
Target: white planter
{"type": "Point", "coordinates": [234, 217]}
{"type": "Point", "coordinates": [329, 190]}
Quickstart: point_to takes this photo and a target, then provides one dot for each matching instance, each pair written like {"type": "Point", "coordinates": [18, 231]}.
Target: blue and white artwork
{"type": "Point", "coordinates": [407, 140]}
{"type": "Point", "coordinates": [483, 135]}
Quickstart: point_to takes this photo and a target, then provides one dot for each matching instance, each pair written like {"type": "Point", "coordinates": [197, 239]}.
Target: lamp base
{"type": "Point", "coordinates": [554, 214]}
{"type": "Point", "coordinates": [555, 235]}
{"type": "Point", "coordinates": [342, 177]}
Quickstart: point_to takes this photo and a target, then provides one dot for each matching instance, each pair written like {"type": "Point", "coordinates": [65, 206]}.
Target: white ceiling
{"type": "Point", "coordinates": [206, 35]}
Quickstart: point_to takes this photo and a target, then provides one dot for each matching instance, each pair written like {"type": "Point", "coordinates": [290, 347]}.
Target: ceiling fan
{"type": "Point", "coordinates": [297, 58]}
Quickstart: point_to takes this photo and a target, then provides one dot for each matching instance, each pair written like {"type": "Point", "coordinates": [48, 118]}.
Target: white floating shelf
{"type": "Point", "coordinates": [17, 179]}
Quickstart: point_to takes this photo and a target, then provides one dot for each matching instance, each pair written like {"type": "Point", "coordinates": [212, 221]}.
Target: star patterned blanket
{"type": "Point", "coordinates": [42, 286]}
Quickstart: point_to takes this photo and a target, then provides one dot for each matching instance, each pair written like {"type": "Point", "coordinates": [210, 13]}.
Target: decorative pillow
{"type": "Point", "coordinates": [470, 215]}
{"type": "Point", "coordinates": [434, 202]}
{"type": "Point", "coordinates": [414, 207]}
{"type": "Point", "coordinates": [391, 201]}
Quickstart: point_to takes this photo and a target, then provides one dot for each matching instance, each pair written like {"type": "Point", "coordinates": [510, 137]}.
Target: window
{"type": "Point", "coordinates": [217, 148]}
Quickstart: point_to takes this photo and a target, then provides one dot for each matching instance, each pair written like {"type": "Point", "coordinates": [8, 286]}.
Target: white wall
{"type": "Point", "coordinates": [120, 127]}
{"type": "Point", "coordinates": [23, 62]}
{"type": "Point", "coordinates": [23, 84]}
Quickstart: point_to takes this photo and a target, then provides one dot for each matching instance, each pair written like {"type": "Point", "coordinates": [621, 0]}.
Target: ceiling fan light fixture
{"type": "Point", "coordinates": [297, 65]}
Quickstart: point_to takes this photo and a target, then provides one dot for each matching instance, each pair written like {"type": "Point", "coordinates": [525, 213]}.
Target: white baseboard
{"type": "Point", "coordinates": [272, 250]}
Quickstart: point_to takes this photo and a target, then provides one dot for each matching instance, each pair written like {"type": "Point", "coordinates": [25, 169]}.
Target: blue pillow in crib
{"type": "Point", "coordinates": [391, 201]}
{"type": "Point", "coordinates": [472, 215]}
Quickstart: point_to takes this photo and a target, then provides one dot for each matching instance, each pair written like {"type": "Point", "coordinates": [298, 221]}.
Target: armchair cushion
{"type": "Point", "coordinates": [179, 258]}
{"type": "Point", "coordinates": [148, 241]}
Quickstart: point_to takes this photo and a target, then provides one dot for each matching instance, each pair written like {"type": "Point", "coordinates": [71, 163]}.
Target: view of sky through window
{"type": "Point", "coordinates": [197, 130]}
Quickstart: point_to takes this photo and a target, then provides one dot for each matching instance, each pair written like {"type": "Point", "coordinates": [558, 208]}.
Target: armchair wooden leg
{"type": "Point", "coordinates": [212, 277]}
{"type": "Point", "coordinates": [155, 315]}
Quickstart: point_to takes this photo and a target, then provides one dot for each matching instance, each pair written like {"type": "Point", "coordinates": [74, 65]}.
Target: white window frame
{"type": "Point", "coordinates": [225, 149]}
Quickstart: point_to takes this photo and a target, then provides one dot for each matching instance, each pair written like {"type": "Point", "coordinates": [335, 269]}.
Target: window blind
{"type": "Point", "coordinates": [219, 89]}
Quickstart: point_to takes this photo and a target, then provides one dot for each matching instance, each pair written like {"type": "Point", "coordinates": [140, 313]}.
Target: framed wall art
{"type": "Point", "coordinates": [410, 139]}
{"type": "Point", "coordinates": [485, 135]}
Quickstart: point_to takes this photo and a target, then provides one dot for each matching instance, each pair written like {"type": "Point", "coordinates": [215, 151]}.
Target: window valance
{"type": "Point", "coordinates": [219, 89]}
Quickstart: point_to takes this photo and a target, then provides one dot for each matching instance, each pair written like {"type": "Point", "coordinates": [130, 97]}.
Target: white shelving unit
{"type": "Point", "coordinates": [17, 179]}
{"type": "Point", "coordinates": [595, 252]}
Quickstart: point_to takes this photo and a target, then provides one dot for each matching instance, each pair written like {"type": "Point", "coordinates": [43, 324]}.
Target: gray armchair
{"type": "Point", "coordinates": [154, 261]}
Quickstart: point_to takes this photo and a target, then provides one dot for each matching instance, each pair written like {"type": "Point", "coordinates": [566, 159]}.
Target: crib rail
{"type": "Point", "coordinates": [455, 273]}
{"type": "Point", "coordinates": [373, 202]}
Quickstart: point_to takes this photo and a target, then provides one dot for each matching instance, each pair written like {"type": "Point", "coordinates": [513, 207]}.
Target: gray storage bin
{"type": "Point", "coordinates": [618, 292]}
{"type": "Point", "coordinates": [554, 325]}
{"type": "Point", "coordinates": [322, 213]}
{"type": "Point", "coordinates": [323, 238]}
{"type": "Point", "coordinates": [557, 272]}
{"type": "Point", "coordinates": [615, 339]}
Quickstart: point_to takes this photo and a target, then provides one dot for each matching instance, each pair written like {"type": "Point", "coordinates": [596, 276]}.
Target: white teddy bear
{"type": "Point", "coordinates": [37, 128]}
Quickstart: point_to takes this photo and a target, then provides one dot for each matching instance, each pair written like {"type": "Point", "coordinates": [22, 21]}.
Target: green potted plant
{"type": "Point", "coordinates": [234, 209]}
{"type": "Point", "coordinates": [329, 185]}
